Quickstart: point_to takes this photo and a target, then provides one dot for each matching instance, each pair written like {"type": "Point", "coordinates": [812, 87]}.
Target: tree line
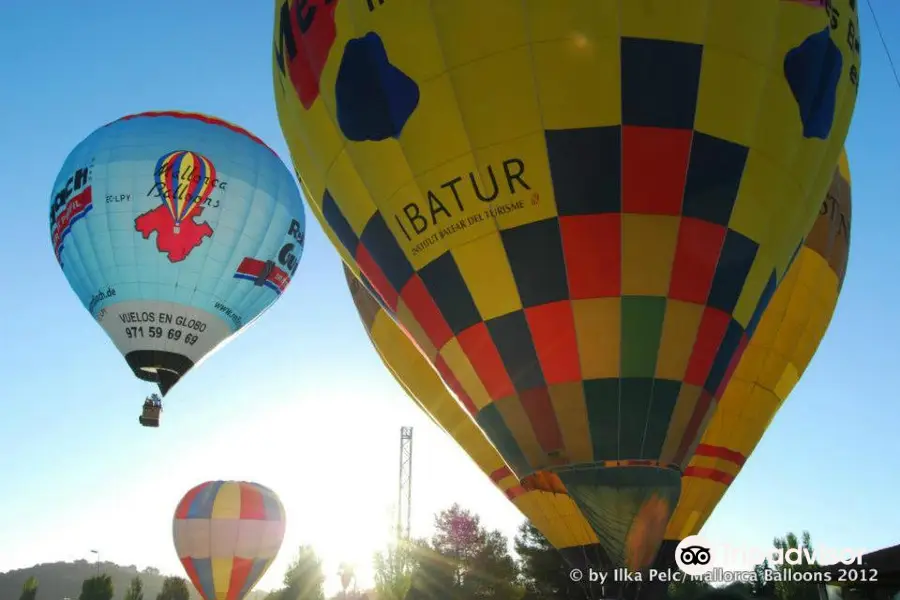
{"type": "Point", "coordinates": [100, 587]}
{"type": "Point", "coordinates": [465, 560]}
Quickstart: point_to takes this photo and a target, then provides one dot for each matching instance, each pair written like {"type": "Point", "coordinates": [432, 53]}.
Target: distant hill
{"type": "Point", "coordinates": [60, 580]}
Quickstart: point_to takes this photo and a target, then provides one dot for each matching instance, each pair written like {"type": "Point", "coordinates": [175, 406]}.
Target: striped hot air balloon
{"type": "Point", "coordinates": [226, 534]}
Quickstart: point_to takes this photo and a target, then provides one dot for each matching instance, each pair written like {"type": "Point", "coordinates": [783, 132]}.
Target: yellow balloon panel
{"type": "Point", "coordinates": [576, 209]}
{"type": "Point", "coordinates": [789, 333]}
{"type": "Point", "coordinates": [554, 514]}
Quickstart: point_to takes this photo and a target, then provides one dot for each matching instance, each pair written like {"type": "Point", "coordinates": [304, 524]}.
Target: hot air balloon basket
{"type": "Point", "coordinates": [150, 417]}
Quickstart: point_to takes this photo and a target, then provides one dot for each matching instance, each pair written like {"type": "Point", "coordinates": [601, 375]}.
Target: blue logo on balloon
{"type": "Point", "coordinates": [813, 70]}
{"type": "Point", "coordinates": [375, 99]}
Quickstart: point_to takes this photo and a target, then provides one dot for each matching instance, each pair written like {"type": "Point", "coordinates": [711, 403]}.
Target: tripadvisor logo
{"type": "Point", "coordinates": [696, 556]}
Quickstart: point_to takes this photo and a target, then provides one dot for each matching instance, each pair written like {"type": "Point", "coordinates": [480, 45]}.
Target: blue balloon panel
{"type": "Point", "coordinates": [175, 230]}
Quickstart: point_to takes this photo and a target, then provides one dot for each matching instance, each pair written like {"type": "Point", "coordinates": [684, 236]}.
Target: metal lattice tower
{"type": "Point", "coordinates": [404, 492]}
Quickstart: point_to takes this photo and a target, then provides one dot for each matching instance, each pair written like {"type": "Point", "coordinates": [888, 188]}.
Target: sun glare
{"type": "Point", "coordinates": [338, 486]}
{"type": "Point", "coordinates": [353, 540]}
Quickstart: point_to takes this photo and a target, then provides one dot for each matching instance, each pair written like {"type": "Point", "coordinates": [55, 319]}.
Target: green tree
{"type": "Point", "coordinates": [785, 587]}
{"type": "Point", "coordinates": [99, 587]}
{"type": "Point", "coordinates": [304, 578]}
{"type": "Point", "coordinates": [458, 537]}
{"type": "Point", "coordinates": [29, 589]}
{"type": "Point", "coordinates": [544, 571]}
{"type": "Point", "coordinates": [464, 561]}
{"type": "Point", "coordinates": [433, 575]}
{"type": "Point", "coordinates": [135, 589]}
{"type": "Point", "coordinates": [174, 588]}
{"type": "Point", "coordinates": [492, 572]}
{"type": "Point", "coordinates": [393, 571]}
{"type": "Point", "coordinates": [763, 586]}
{"type": "Point", "coordinates": [773, 579]}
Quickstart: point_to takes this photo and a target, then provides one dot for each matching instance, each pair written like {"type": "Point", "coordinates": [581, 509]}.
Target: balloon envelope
{"type": "Point", "coordinates": [578, 210]}
{"type": "Point", "coordinates": [789, 333]}
{"type": "Point", "coordinates": [175, 230]}
{"type": "Point", "coordinates": [226, 534]}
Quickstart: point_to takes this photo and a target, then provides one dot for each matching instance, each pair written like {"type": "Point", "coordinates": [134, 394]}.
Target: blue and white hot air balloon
{"type": "Point", "coordinates": [175, 230]}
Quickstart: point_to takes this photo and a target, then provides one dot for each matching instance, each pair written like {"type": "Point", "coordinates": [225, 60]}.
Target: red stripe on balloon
{"type": "Point", "coordinates": [240, 571]}
{"type": "Point", "coordinates": [721, 452]}
{"type": "Point", "coordinates": [453, 383]}
{"type": "Point", "coordinates": [252, 505]}
{"type": "Point", "coordinates": [500, 474]}
{"type": "Point", "coordinates": [514, 492]}
{"type": "Point", "coordinates": [482, 353]}
{"type": "Point", "coordinates": [555, 342]}
{"type": "Point", "coordinates": [196, 117]}
{"type": "Point", "coordinates": [539, 409]}
{"type": "Point", "coordinates": [710, 474]}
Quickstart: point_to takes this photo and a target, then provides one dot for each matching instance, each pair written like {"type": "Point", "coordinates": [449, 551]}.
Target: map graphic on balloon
{"type": "Point", "coordinates": [184, 181]}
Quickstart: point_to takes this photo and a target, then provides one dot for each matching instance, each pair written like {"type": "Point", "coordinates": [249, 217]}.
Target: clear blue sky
{"type": "Point", "coordinates": [77, 472]}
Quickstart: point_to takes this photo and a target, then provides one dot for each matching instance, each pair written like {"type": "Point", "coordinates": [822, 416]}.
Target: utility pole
{"type": "Point", "coordinates": [404, 491]}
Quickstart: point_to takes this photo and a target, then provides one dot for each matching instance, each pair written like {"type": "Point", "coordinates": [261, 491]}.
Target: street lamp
{"type": "Point", "coordinates": [97, 552]}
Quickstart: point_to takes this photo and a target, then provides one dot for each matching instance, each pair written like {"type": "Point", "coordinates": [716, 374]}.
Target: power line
{"type": "Point", "coordinates": [883, 43]}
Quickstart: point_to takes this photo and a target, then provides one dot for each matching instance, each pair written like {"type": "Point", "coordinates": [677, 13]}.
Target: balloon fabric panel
{"type": "Point", "coordinates": [226, 534]}
{"type": "Point", "coordinates": [789, 333]}
{"type": "Point", "coordinates": [578, 211]}
{"type": "Point", "coordinates": [173, 250]}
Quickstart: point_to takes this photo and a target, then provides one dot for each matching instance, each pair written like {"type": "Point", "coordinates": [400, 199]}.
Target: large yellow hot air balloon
{"type": "Point", "coordinates": [577, 210]}
{"type": "Point", "coordinates": [789, 333]}
{"type": "Point", "coordinates": [227, 533]}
